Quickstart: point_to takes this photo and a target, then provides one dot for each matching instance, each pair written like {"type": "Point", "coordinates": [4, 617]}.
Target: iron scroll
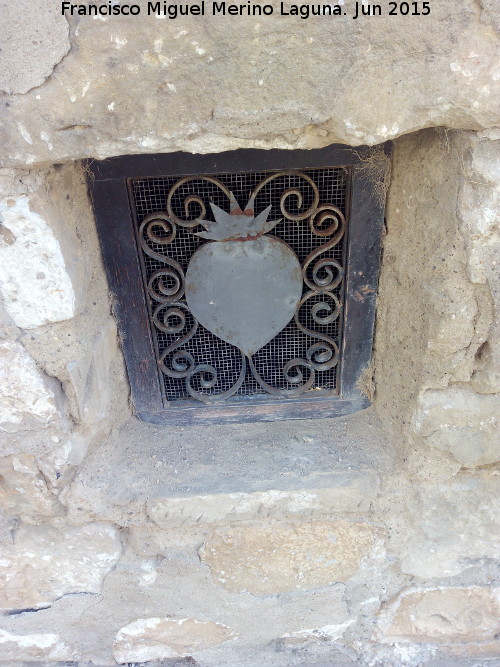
{"type": "Point", "coordinates": [315, 317]}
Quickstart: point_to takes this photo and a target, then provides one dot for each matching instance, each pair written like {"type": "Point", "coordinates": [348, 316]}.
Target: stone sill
{"type": "Point", "coordinates": [177, 476]}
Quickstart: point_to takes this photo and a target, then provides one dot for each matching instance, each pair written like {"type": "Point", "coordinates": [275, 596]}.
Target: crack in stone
{"type": "Point", "coordinates": [54, 68]}
{"type": "Point", "coordinates": [28, 610]}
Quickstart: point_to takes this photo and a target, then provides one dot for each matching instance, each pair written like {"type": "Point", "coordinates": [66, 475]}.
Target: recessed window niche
{"type": "Point", "coordinates": [244, 283]}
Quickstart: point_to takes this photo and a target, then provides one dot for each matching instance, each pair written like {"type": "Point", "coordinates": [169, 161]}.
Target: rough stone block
{"type": "Point", "coordinates": [270, 557]}
{"type": "Point", "coordinates": [486, 376]}
{"type": "Point", "coordinates": [160, 638]}
{"type": "Point", "coordinates": [462, 422]}
{"type": "Point", "coordinates": [479, 210]}
{"type": "Point", "coordinates": [327, 633]}
{"type": "Point", "coordinates": [35, 647]}
{"type": "Point", "coordinates": [349, 491]}
{"type": "Point", "coordinates": [59, 462]}
{"type": "Point", "coordinates": [46, 562]}
{"type": "Point", "coordinates": [24, 490]}
{"type": "Point", "coordinates": [438, 70]}
{"type": "Point", "coordinates": [428, 312]}
{"type": "Point", "coordinates": [442, 615]}
{"type": "Point", "coordinates": [34, 281]}
{"type": "Point", "coordinates": [453, 525]}
{"type": "Point", "coordinates": [31, 47]}
{"type": "Point", "coordinates": [90, 375]}
{"type": "Point", "coordinates": [479, 206]}
{"type": "Point", "coordinates": [25, 394]}
{"type": "Point", "coordinates": [196, 476]}
{"type": "Point", "coordinates": [7, 327]}
{"type": "Point", "coordinates": [488, 650]}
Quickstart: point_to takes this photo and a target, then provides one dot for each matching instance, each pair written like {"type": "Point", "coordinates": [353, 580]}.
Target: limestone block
{"type": "Point", "coordinates": [24, 490]}
{"type": "Point", "coordinates": [270, 557]}
{"type": "Point", "coordinates": [428, 312]}
{"type": "Point", "coordinates": [452, 309]}
{"type": "Point", "coordinates": [25, 394]}
{"type": "Point", "coordinates": [195, 476]}
{"type": "Point", "coordinates": [349, 491]}
{"type": "Point", "coordinates": [442, 615]}
{"type": "Point", "coordinates": [58, 463]}
{"type": "Point", "coordinates": [486, 376]}
{"type": "Point", "coordinates": [35, 37]}
{"type": "Point", "coordinates": [7, 327]}
{"type": "Point", "coordinates": [453, 525]}
{"type": "Point", "coordinates": [46, 562]}
{"type": "Point", "coordinates": [479, 211]}
{"type": "Point", "coordinates": [90, 375]}
{"type": "Point", "coordinates": [35, 647]}
{"type": "Point", "coordinates": [20, 181]}
{"type": "Point", "coordinates": [353, 85]}
{"type": "Point", "coordinates": [160, 638]}
{"type": "Point", "coordinates": [462, 422]}
{"type": "Point", "coordinates": [34, 281]}
{"type": "Point", "coordinates": [479, 208]}
{"type": "Point", "coordinates": [327, 633]}
{"type": "Point", "coordinates": [488, 650]}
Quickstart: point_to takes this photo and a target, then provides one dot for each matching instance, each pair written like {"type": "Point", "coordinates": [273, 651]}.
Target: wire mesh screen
{"type": "Point", "coordinates": [312, 205]}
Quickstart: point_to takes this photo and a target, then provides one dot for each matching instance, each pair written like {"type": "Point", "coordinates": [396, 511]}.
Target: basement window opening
{"type": "Point", "coordinates": [244, 283]}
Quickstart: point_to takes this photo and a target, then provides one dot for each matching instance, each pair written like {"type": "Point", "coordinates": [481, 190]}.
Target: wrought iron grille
{"type": "Point", "coordinates": [301, 359]}
{"type": "Point", "coordinates": [244, 283]}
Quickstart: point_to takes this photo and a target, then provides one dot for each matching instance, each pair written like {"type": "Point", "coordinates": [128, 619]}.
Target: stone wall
{"type": "Point", "coordinates": [370, 539]}
{"type": "Point", "coordinates": [63, 384]}
{"type": "Point", "coordinates": [96, 87]}
{"type": "Point", "coordinates": [275, 544]}
{"type": "Point", "coordinates": [436, 354]}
